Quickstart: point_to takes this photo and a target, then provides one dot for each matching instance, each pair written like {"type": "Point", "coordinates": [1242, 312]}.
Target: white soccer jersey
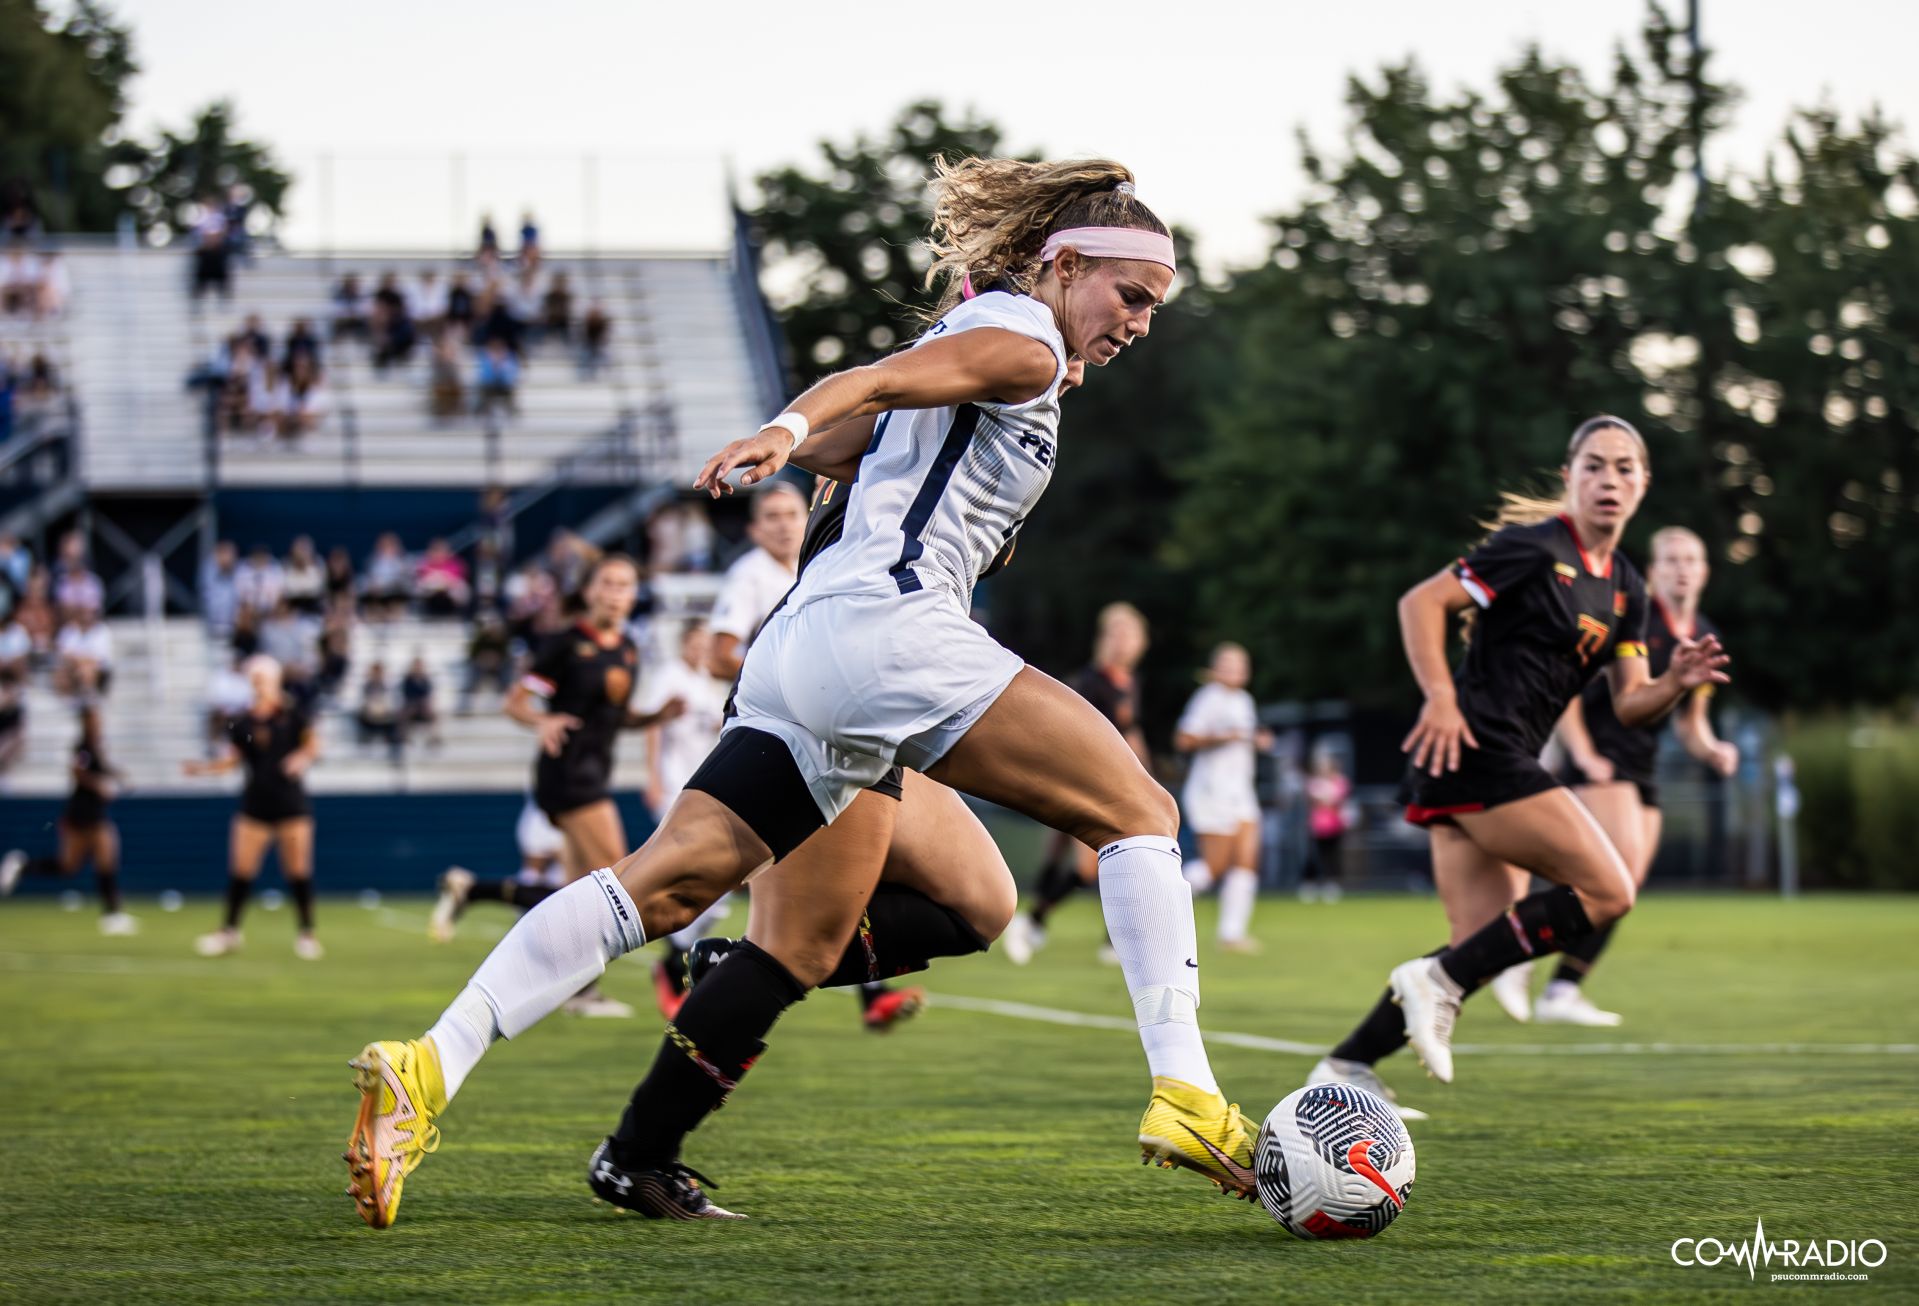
{"type": "Point", "coordinates": [1226, 769]}
{"type": "Point", "coordinates": [688, 738]}
{"type": "Point", "coordinates": [941, 490]}
{"type": "Point", "coordinates": [753, 587]}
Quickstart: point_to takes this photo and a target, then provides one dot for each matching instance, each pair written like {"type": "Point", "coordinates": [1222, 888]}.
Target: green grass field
{"type": "Point", "coordinates": [175, 1124]}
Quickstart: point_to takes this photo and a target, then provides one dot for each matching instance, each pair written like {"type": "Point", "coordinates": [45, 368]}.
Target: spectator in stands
{"type": "Point", "coordinates": [19, 217]}
{"type": "Point", "coordinates": [300, 399]}
{"type": "Point", "coordinates": [341, 584]}
{"type": "Point", "coordinates": [428, 302]}
{"type": "Point", "coordinates": [286, 638]}
{"type": "Point", "coordinates": [440, 582]}
{"type": "Point", "coordinates": [13, 720]}
{"type": "Point", "coordinates": [379, 714]}
{"type": "Point", "coordinates": [568, 558]}
{"type": "Point", "coordinates": [496, 519]}
{"type": "Point", "coordinates": [244, 639]}
{"type": "Point", "coordinates": [239, 200]}
{"type": "Point", "coordinates": [41, 382]}
{"type": "Point", "coordinates": [303, 343]}
{"type": "Point", "coordinates": [220, 587]}
{"type": "Point", "coordinates": [416, 703]}
{"type": "Point", "coordinates": [16, 649]}
{"type": "Point", "coordinates": [210, 253]}
{"type": "Point", "coordinates": [489, 238]}
{"type": "Point", "coordinates": [392, 325]}
{"type": "Point", "coordinates": [446, 393]}
{"type": "Point", "coordinates": [533, 602]}
{"type": "Point", "coordinates": [228, 695]}
{"type": "Point", "coordinates": [460, 305]}
{"type": "Point", "coordinates": [262, 415]}
{"type": "Point", "coordinates": [305, 578]}
{"type": "Point", "coordinates": [350, 310]}
{"type": "Point", "coordinates": [76, 589]}
{"type": "Point", "coordinates": [259, 582]}
{"type": "Point", "coordinates": [489, 574]}
{"type": "Point", "coordinates": [254, 332]}
{"type": "Point", "coordinates": [497, 320]}
{"type": "Point", "coordinates": [83, 656]}
{"type": "Point", "coordinates": [389, 581]}
{"type": "Point", "coordinates": [36, 614]}
{"type": "Point", "coordinates": [679, 539]}
{"type": "Point", "coordinates": [19, 280]}
{"type": "Point", "coordinates": [497, 379]}
{"type": "Point", "coordinates": [336, 648]}
{"type": "Point", "coordinates": [239, 380]}
{"type": "Point", "coordinates": [529, 238]}
{"type": "Point", "coordinates": [595, 329]}
{"type": "Point", "coordinates": [16, 564]}
{"type": "Point", "coordinates": [556, 310]}
{"type": "Point", "coordinates": [55, 288]}
{"type": "Point", "coordinates": [489, 658]}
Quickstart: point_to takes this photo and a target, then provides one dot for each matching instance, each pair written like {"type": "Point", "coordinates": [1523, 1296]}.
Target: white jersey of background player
{"type": "Point", "coordinates": [1220, 729]}
{"type": "Point", "coordinates": [675, 749]}
{"type": "Point", "coordinates": [759, 579]}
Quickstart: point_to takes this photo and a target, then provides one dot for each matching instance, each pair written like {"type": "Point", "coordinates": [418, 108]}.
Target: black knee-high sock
{"type": "Point", "coordinates": [238, 891]}
{"type": "Point", "coordinates": [1055, 885]}
{"type": "Point", "coordinates": [301, 891]}
{"type": "Point", "coordinates": [108, 885]}
{"type": "Point", "coordinates": [715, 1039]}
{"type": "Point", "coordinates": [516, 893]}
{"type": "Point", "coordinates": [902, 931]}
{"type": "Point", "coordinates": [871, 992]}
{"type": "Point", "coordinates": [1379, 1035]}
{"type": "Point", "coordinates": [1532, 927]}
{"type": "Point", "coordinates": [1576, 958]}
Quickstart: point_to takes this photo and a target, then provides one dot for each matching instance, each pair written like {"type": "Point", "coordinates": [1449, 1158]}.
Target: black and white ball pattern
{"type": "Point", "coordinates": [1333, 1161]}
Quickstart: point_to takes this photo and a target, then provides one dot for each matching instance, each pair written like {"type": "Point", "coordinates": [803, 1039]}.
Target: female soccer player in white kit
{"type": "Point", "coordinates": [874, 660]}
{"type": "Point", "coordinates": [1220, 728]}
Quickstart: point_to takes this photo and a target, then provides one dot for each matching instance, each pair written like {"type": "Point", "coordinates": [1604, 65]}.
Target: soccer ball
{"type": "Point", "coordinates": [1333, 1161]}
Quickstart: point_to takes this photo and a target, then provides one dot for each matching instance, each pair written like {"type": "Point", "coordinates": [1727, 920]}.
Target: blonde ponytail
{"type": "Point", "coordinates": [992, 216]}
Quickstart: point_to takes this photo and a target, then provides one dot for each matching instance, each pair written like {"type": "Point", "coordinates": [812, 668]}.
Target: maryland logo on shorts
{"type": "Point", "coordinates": [1592, 637]}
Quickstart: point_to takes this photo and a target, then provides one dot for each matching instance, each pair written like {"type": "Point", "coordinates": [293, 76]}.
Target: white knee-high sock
{"type": "Point", "coordinates": [1149, 914]}
{"type": "Point", "coordinates": [1198, 874]}
{"type": "Point", "coordinates": [556, 949]}
{"type": "Point", "coordinates": [702, 924]}
{"type": "Point", "coordinates": [1237, 889]}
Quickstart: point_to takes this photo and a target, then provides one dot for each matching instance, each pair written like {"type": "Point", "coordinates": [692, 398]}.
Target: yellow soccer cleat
{"type": "Point", "coordinates": [1185, 1126]}
{"type": "Point", "coordinates": [401, 1091]}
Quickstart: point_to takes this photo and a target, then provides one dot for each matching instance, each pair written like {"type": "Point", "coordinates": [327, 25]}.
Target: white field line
{"type": "Point", "coordinates": [1087, 1020]}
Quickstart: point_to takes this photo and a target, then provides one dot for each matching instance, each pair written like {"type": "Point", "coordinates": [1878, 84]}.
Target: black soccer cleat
{"type": "Point", "coordinates": [670, 1192]}
{"type": "Point", "coordinates": [705, 955]}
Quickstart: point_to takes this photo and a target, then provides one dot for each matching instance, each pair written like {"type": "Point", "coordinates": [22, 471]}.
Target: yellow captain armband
{"type": "Point", "coordinates": [1630, 648]}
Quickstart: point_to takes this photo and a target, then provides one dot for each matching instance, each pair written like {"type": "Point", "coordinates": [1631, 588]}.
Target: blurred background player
{"type": "Point", "coordinates": [585, 676]}
{"type": "Point", "coordinates": [1328, 794]}
{"type": "Point", "coordinates": [1220, 728]}
{"type": "Point", "coordinates": [1110, 683]}
{"type": "Point", "coordinates": [1556, 603]}
{"type": "Point", "coordinates": [274, 740]}
{"type": "Point", "coordinates": [542, 870]}
{"type": "Point", "coordinates": [86, 832]}
{"type": "Point", "coordinates": [1616, 769]}
{"type": "Point", "coordinates": [759, 578]}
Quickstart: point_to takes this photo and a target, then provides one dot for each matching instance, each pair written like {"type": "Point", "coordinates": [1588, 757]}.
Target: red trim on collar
{"type": "Point", "coordinates": [599, 637]}
{"type": "Point", "coordinates": [1665, 615]}
{"type": "Point", "coordinates": [1580, 545]}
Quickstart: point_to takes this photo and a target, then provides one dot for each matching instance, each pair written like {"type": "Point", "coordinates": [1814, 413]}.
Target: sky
{"type": "Point", "coordinates": [618, 121]}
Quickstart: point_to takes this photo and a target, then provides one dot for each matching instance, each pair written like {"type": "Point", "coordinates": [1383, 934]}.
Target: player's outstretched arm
{"type": "Point", "coordinates": [1640, 700]}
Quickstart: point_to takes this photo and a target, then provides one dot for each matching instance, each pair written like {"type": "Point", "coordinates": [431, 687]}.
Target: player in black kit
{"type": "Point", "coordinates": [87, 833]}
{"type": "Point", "coordinates": [1110, 683]}
{"type": "Point", "coordinates": [586, 676]}
{"type": "Point", "coordinates": [1614, 767]}
{"type": "Point", "coordinates": [1557, 603]}
{"type": "Point", "coordinates": [275, 742]}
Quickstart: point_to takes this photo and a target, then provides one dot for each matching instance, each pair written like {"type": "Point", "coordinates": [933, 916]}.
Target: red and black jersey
{"type": "Point", "coordinates": [1633, 750]}
{"type": "Point", "coordinates": [87, 807]}
{"type": "Point", "coordinates": [264, 744]}
{"type": "Point", "coordinates": [1548, 623]}
{"type": "Point", "coordinates": [1116, 698]}
{"type": "Point", "coordinates": [579, 674]}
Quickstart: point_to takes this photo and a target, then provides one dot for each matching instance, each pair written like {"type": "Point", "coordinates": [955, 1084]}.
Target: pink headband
{"type": "Point", "coordinates": [1112, 242]}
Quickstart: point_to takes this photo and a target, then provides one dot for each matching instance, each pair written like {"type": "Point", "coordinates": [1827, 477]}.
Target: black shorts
{"type": "Point", "coordinates": [1647, 786]}
{"type": "Point", "coordinates": [891, 784]}
{"type": "Point", "coordinates": [1484, 780]}
{"type": "Point", "coordinates": [271, 810]}
{"type": "Point", "coordinates": [557, 800]}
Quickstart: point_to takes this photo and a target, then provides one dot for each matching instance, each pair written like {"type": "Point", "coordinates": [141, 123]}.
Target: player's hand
{"type": "Point", "coordinates": [1725, 759]}
{"type": "Point", "coordinates": [295, 765]}
{"type": "Point", "coordinates": [1595, 768]}
{"type": "Point", "coordinates": [672, 710]}
{"type": "Point", "coordinates": [1697, 662]}
{"type": "Point", "coordinates": [1438, 735]}
{"type": "Point", "coordinates": [554, 728]}
{"type": "Point", "coordinates": [762, 454]}
{"type": "Point", "coordinates": [1263, 740]}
